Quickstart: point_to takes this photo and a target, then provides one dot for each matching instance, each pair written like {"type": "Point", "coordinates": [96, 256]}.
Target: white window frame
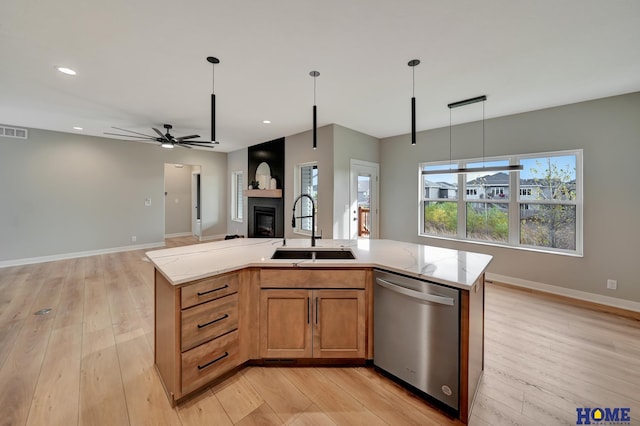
{"type": "Point", "coordinates": [297, 187]}
{"type": "Point", "coordinates": [514, 201]}
{"type": "Point", "coordinates": [237, 199]}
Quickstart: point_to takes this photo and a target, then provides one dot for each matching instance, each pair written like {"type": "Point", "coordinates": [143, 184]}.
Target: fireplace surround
{"type": "Point", "coordinates": [265, 218]}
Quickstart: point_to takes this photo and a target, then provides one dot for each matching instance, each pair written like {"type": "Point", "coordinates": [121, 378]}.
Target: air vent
{"type": "Point", "coordinates": [13, 132]}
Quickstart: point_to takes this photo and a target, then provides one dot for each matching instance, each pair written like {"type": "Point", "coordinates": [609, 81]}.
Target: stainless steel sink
{"type": "Point", "coordinates": [318, 254]}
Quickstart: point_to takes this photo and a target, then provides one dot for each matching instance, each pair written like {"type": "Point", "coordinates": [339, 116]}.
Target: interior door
{"type": "Point", "coordinates": [363, 203]}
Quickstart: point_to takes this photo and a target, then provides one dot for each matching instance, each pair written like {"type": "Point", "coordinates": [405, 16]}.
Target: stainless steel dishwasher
{"type": "Point", "coordinates": [416, 334]}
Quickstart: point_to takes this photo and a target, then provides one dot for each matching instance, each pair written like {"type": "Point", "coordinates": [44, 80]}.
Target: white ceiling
{"type": "Point", "coordinates": [143, 63]}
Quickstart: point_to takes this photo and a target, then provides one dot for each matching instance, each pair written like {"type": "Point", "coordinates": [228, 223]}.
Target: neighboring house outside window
{"type": "Point", "coordinates": [546, 215]}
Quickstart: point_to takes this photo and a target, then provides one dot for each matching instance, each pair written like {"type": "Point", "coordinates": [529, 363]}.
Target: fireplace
{"type": "Point", "coordinates": [265, 218]}
{"type": "Point", "coordinates": [264, 222]}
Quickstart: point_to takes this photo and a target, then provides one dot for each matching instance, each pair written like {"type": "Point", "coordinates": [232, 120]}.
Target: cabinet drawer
{"type": "Point", "coordinates": [312, 278]}
{"type": "Point", "coordinates": [206, 362]}
{"type": "Point", "coordinates": [209, 320]}
{"type": "Point", "coordinates": [208, 289]}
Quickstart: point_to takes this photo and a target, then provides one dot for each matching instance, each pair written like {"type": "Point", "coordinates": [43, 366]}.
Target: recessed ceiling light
{"type": "Point", "coordinates": [77, 128]}
{"type": "Point", "coordinates": [67, 71]}
{"type": "Point", "coordinates": [266, 121]}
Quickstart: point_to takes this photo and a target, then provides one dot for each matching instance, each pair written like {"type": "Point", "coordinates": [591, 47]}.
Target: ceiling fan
{"type": "Point", "coordinates": [167, 139]}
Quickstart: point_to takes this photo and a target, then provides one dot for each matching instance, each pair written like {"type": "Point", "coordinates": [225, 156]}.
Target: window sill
{"type": "Point", "coordinates": [507, 246]}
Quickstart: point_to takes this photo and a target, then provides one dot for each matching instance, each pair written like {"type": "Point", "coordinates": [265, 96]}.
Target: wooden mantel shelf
{"type": "Point", "coordinates": [264, 193]}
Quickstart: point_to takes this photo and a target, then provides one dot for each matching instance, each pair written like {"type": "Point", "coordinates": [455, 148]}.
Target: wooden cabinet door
{"type": "Point", "coordinates": [339, 324]}
{"type": "Point", "coordinates": [285, 323]}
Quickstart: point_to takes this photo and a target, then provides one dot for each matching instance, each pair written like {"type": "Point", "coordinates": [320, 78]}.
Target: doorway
{"type": "Point", "coordinates": [182, 201]}
{"type": "Point", "coordinates": [363, 203]}
{"type": "Point", "coordinates": [196, 228]}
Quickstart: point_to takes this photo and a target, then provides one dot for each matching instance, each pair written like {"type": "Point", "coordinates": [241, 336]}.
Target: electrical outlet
{"type": "Point", "coordinates": [147, 202]}
{"type": "Point", "coordinates": [133, 238]}
{"type": "Point", "coordinates": [612, 284]}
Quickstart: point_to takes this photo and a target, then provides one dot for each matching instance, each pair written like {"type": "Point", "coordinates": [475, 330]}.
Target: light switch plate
{"type": "Point", "coordinates": [147, 202]}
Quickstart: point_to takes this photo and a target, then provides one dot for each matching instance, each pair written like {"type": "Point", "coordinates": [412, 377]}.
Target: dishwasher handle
{"type": "Point", "coordinates": [416, 294]}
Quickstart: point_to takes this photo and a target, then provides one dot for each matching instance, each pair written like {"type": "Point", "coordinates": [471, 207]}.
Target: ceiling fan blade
{"type": "Point", "coordinates": [183, 145]}
{"type": "Point", "coordinates": [206, 142]}
{"type": "Point", "coordinates": [149, 138]}
{"type": "Point", "coordinates": [164, 138]}
{"type": "Point", "coordinates": [198, 145]}
{"type": "Point", "coordinates": [181, 138]}
{"type": "Point", "coordinates": [131, 131]}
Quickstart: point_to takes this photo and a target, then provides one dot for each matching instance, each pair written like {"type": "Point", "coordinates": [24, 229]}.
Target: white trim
{"type": "Point", "coordinates": [561, 291]}
{"type": "Point", "coordinates": [178, 234]}
{"type": "Point", "coordinates": [375, 195]}
{"type": "Point", "coordinates": [297, 190]}
{"type": "Point", "coordinates": [235, 201]}
{"type": "Point", "coordinates": [64, 256]}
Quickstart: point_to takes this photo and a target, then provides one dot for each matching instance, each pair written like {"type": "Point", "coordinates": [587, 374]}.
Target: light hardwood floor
{"type": "Point", "coordinates": [90, 361]}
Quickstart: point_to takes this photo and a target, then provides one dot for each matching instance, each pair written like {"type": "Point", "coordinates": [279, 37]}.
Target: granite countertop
{"type": "Point", "coordinates": [456, 268]}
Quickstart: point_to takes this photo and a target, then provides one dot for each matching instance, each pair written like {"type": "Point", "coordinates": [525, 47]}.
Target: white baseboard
{"type": "Point", "coordinates": [179, 234]}
{"type": "Point", "coordinates": [63, 256]}
{"type": "Point", "coordinates": [561, 291]}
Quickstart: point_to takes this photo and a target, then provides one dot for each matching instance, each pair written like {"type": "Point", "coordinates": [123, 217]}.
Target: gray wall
{"type": "Point", "coordinates": [178, 203]}
{"type": "Point", "coordinates": [348, 145]}
{"type": "Point", "coordinates": [237, 161]}
{"type": "Point", "coordinates": [337, 145]}
{"type": "Point", "coordinates": [609, 132]}
{"type": "Point", "coordinates": [65, 193]}
{"type": "Point", "coordinates": [299, 149]}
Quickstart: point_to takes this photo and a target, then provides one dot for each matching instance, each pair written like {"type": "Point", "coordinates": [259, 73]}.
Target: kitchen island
{"type": "Point", "coordinates": [221, 305]}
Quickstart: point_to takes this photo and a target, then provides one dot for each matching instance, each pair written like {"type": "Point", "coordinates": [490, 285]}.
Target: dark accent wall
{"type": "Point", "coordinates": [272, 153]}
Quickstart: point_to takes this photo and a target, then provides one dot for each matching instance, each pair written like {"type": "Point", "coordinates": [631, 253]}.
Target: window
{"type": "Point", "coordinates": [487, 215]}
{"type": "Point", "coordinates": [545, 215]}
{"type": "Point", "coordinates": [549, 216]}
{"type": "Point", "coordinates": [236, 196]}
{"type": "Point", "coordinates": [306, 183]}
{"type": "Point", "coordinates": [440, 192]}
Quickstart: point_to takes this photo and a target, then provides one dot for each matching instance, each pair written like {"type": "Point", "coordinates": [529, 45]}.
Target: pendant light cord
{"type": "Point", "coordinates": [314, 89]}
{"type": "Point", "coordinates": [413, 90]}
{"type": "Point", "coordinates": [450, 139]}
{"type": "Point", "coordinates": [483, 163]}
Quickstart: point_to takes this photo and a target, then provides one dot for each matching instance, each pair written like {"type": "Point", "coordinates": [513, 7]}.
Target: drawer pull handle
{"type": "Point", "coordinates": [202, 367]}
{"type": "Point", "coordinates": [211, 291]}
{"type": "Point", "coordinates": [214, 321]}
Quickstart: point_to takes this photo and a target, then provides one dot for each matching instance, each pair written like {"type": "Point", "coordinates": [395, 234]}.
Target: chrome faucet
{"type": "Point", "coordinates": [313, 217]}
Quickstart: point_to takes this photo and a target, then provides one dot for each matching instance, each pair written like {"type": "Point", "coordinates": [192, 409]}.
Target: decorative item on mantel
{"type": "Point", "coordinates": [263, 175]}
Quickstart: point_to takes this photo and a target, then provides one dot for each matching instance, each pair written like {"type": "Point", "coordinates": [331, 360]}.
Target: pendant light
{"type": "Point", "coordinates": [314, 74]}
{"type": "Point", "coordinates": [213, 60]}
{"type": "Point", "coordinates": [509, 168]}
{"type": "Point", "coordinates": [413, 63]}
